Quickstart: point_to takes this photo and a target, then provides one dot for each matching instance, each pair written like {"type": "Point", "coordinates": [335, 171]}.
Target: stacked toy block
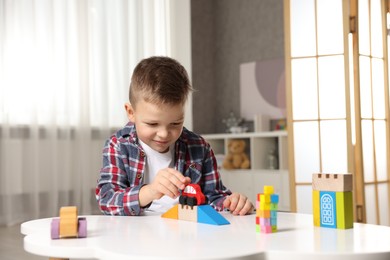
{"type": "Point", "coordinates": [266, 210]}
{"type": "Point", "coordinates": [68, 225]}
{"type": "Point", "coordinates": [332, 200]}
{"type": "Point", "coordinates": [201, 214]}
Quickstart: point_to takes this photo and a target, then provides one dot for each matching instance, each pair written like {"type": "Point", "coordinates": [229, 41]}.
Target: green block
{"type": "Point", "coordinates": [344, 209]}
{"type": "Point", "coordinates": [274, 229]}
{"type": "Point", "coordinates": [258, 229]}
{"type": "Point", "coordinates": [316, 208]}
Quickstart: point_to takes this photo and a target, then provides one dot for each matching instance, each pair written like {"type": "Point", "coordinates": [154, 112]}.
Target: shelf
{"type": "Point", "coordinates": [251, 181]}
{"type": "Point", "coordinates": [246, 135]}
{"type": "Point", "coordinates": [258, 147]}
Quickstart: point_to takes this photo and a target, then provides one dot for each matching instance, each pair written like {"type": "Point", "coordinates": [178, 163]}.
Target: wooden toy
{"type": "Point", "coordinates": [332, 182]}
{"type": "Point", "coordinates": [192, 195]}
{"type": "Point", "coordinates": [332, 200]}
{"type": "Point", "coordinates": [266, 210]}
{"type": "Point", "coordinates": [188, 213]}
{"type": "Point", "coordinates": [328, 209]}
{"type": "Point", "coordinates": [68, 225]}
{"type": "Point", "coordinates": [344, 210]}
{"type": "Point", "coordinates": [190, 208]}
{"type": "Point", "coordinates": [201, 214]}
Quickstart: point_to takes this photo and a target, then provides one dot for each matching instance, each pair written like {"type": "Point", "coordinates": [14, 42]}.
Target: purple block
{"type": "Point", "coordinates": [82, 227]}
{"type": "Point", "coordinates": [55, 228]}
{"type": "Point", "coordinates": [265, 222]}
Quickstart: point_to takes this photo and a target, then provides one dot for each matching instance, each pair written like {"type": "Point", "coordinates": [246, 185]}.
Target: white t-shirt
{"type": "Point", "coordinates": [154, 162]}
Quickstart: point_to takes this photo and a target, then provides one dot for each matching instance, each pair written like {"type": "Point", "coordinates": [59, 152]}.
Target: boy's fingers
{"type": "Point", "coordinates": [178, 179]}
{"type": "Point", "coordinates": [247, 207]}
{"type": "Point", "coordinates": [226, 202]}
{"type": "Point", "coordinates": [167, 188]}
{"type": "Point", "coordinates": [233, 202]}
{"type": "Point", "coordinates": [176, 174]}
{"type": "Point", "coordinates": [238, 204]}
{"type": "Point", "coordinates": [187, 180]}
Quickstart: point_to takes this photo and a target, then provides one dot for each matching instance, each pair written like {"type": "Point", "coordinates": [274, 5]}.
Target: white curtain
{"type": "Point", "coordinates": [65, 68]}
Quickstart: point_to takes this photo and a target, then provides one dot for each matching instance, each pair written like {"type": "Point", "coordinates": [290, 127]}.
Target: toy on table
{"type": "Point", "coordinates": [68, 225]}
{"type": "Point", "coordinates": [236, 157]}
{"type": "Point", "coordinates": [332, 200]}
{"type": "Point", "coordinates": [192, 195]}
{"type": "Point", "coordinates": [192, 208]}
{"type": "Point", "coordinates": [266, 210]}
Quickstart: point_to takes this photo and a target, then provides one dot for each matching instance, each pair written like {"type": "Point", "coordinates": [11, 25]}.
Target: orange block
{"type": "Point", "coordinates": [68, 222]}
{"type": "Point", "coordinates": [265, 214]}
{"type": "Point", "coordinates": [172, 213]}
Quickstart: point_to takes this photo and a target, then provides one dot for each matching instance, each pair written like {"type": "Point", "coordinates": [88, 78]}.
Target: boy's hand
{"type": "Point", "coordinates": [167, 182]}
{"type": "Point", "coordinates": [238, 204]}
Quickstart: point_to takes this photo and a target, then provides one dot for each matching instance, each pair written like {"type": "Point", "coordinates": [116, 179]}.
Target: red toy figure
{"type": "Point", "coordinates": [192, 195]}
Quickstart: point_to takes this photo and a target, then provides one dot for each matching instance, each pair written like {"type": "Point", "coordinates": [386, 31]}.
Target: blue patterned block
{"type": "Point", "coordinates": [328, 209]}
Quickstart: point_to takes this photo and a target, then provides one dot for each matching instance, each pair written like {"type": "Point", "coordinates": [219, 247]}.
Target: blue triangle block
{"type": "Point", "coordinates": [208, 215]}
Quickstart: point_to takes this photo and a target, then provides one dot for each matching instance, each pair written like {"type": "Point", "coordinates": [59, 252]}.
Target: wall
{"type": "Point", "coordinates": [226, 33]}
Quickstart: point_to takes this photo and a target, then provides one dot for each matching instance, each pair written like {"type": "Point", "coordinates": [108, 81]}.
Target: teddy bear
{"type": "Point", "coordinates": [236, 157]}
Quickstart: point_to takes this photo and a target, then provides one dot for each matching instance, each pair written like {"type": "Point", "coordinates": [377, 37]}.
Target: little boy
{"type": "Point", "coordinates": [148, 162]}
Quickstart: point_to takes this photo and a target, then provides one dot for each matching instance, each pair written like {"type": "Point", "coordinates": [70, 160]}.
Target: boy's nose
{"type": "Point", "coordinates": [163, 132]}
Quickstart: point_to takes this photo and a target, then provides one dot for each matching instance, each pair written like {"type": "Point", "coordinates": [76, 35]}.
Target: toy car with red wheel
{"type": "Point", "coordinates": [192, 195]}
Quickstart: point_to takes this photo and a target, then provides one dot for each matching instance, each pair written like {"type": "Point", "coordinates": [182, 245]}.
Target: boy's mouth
{"type": "Point", "coordinates": [161, 142]}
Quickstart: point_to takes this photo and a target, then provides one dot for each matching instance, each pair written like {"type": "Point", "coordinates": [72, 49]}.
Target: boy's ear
{"type": "Point", "coordinates": [130, 112]}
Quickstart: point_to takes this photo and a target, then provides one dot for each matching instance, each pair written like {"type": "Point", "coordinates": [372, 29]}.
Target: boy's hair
{"type": "Point", "coordinates": [159, 80]}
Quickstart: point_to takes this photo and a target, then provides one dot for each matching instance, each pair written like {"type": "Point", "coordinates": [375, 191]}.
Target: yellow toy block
{"type": "Point", "coordinates": [265, 206]}
{"type": "Point", "coordinates": [68, 222]}
{"type": "Point", "coordinates": [316, 208]}
{"type": "Point", "coordinates": [265, 198]}
{"type": "Point", "coordinates": [268, 190]}
{"type": "Point", "coordinates": [332, 182]}
{"type": "Point", "coordinates": [344, 207]}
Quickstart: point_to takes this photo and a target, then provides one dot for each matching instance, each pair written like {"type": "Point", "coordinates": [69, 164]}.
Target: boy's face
{"type": "Point", "coordinates": [158, 126]}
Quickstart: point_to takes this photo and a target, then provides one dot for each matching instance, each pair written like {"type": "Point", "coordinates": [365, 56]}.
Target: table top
{"type": "Point", "coordinates": [153, 237]}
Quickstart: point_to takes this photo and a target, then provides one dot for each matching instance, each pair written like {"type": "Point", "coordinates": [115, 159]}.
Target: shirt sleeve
{"type": "Point", "coordinates": [213, 188]}
{"type": "Point", "coordinates": [114, 194]}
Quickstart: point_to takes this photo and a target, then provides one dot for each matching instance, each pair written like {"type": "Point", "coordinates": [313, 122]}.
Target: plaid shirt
{"type": "Point", "coordinates": [124, 161]}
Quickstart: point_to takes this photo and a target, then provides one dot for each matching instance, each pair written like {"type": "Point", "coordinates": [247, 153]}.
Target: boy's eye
{"type": "Point", "coordinates": [177, 124]}
{"type": "Point", "coordinates": [151, 124]}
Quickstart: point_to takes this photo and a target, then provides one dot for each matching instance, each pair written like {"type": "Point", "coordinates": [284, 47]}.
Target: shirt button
{"type": "Point", "coordinates": [192, 165]}
{"type": "Point", "coordinates": [139, 175]}
{"type": "Point", "coordinates": [142, 154]}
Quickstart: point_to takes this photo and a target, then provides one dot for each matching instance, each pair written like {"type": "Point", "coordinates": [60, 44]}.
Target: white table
{"type": "Point", "coordinates": [153, 237]}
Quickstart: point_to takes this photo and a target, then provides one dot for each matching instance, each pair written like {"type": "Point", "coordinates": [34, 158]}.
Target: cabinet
{"type": "Point", "coordinates": [264, 169]}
